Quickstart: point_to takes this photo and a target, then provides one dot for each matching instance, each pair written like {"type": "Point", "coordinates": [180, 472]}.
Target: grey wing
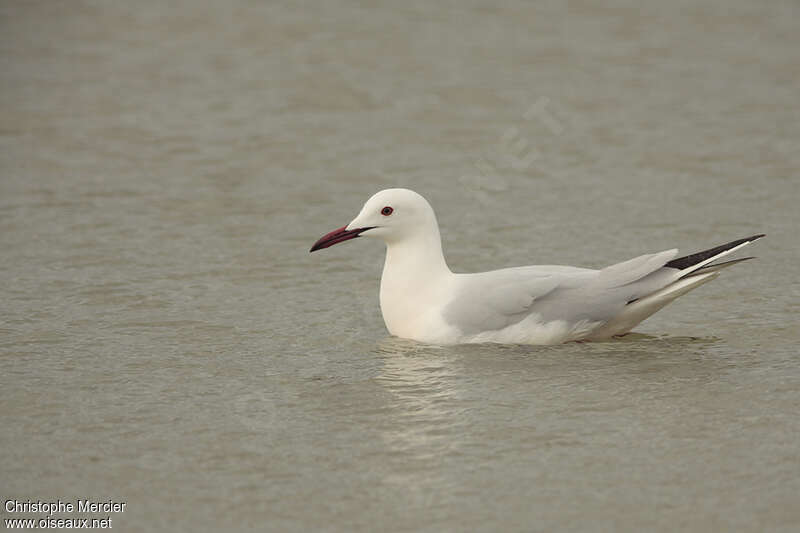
{"type": "Point", "coordinates": [495, 300]}
{"type": "Point", "coordinates": [604, 296]}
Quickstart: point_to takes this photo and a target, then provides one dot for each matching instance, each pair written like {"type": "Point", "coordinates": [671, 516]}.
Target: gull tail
{"type": "Point", "coordinates": [637, 310]}
{"type": "Point", "coordinates": [693, 270]}
{"type": "Point", "coordinates": [717, 266]}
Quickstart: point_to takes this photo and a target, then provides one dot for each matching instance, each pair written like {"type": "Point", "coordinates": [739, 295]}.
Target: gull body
{"type": "Point", "coordinates": [423, 300]}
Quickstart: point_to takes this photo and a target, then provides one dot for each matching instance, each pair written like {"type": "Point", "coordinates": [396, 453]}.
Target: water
{"type": "Point", "coordinates": [167, 340]}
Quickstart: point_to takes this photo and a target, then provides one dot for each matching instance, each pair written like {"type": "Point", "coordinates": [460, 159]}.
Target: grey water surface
{"type": "Point", "coordinates": [166, 340]}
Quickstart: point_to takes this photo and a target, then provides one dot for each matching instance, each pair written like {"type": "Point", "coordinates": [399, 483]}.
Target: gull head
{"type": "Point", "coordinates": [393, 215]}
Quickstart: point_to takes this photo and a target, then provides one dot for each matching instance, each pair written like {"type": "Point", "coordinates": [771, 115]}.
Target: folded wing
{"type": "Point", "coordinates": [612, 300]}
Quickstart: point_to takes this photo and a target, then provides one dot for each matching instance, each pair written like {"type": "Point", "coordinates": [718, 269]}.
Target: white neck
{"type": "Point", "coordinates": [413, 275]}
{"type": "Point", "coordinates": [415, 258]}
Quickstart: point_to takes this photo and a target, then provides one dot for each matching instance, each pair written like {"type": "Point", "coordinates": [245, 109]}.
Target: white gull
{"type": "Point", "coordinates": [423, 300]}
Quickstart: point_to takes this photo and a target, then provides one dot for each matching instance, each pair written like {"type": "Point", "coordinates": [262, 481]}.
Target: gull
{"type": "Point", "coordinates": [423, 300]}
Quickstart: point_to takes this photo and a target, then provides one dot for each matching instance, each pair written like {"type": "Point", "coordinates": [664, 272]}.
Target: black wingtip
{"type": "Point", "coordinates": [691, 260]}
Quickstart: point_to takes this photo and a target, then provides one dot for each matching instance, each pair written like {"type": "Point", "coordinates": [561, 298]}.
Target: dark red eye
{"type": "Point", "coordinates": [386, 211]}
